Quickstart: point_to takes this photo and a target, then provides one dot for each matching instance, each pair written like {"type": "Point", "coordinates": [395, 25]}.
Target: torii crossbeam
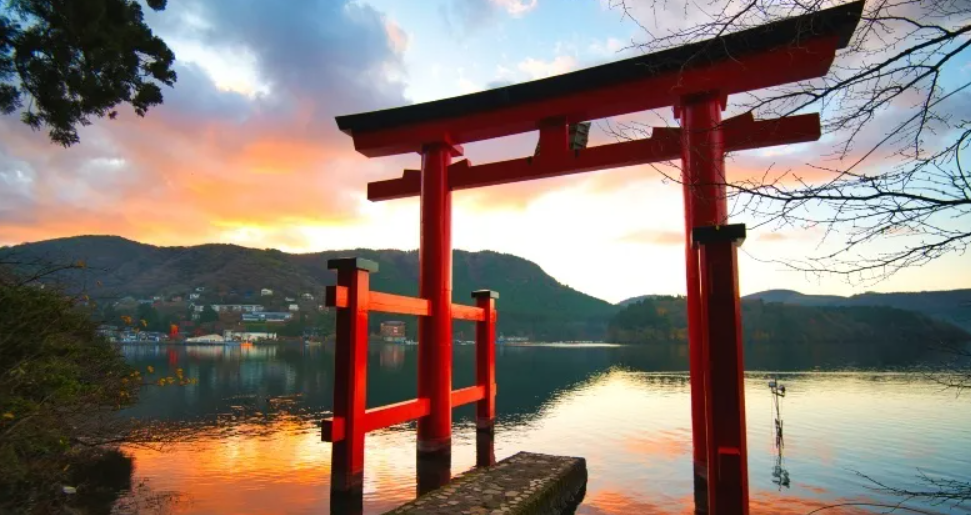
{"type": "Point", "coordinates": [741, 133]}
{"type": "Point", "coordinates": [696, 80]}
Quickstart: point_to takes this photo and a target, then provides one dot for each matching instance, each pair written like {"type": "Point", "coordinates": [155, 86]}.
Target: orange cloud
{"type": "Point", "coordinates": [209, 162]}
{"type": "Point", "coordinates": [515, 196]}
{"type": "Point", "coordinates": [654, 237]}
{"type": "Point", "coordinates": [773, 236]}
{"type": "Point", "coordinates": [183, 181]}
{"type": "Point", "coordinates": [397, 36]}
{"type": "Point", "coordinates": [606, 181]}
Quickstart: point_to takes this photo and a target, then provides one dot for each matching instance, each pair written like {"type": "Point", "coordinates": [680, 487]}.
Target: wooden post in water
{"type": "Point", "coordinates": [350, 377]}
{"type": "Point", "coordinates": [485, 377]}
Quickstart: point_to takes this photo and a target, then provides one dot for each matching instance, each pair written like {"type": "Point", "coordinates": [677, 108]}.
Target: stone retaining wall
{"type": "Point", "coordinates": [523, 484]}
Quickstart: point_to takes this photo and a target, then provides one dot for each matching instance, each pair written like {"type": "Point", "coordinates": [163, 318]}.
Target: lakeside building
{"type": "Point", "coordinates": [244, 336]}
{"type": "Point", "coordinates": [267, 316]}
{"type": "Point", "coordinates": [393, 331]}
{"type": "Point", "coordinates": [208, 338]}
{"type": "Point", "coordinates": [238, 308]}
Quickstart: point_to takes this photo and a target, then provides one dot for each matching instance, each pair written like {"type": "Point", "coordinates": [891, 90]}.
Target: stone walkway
{"type": "Point", "coordinates": [526, 483]}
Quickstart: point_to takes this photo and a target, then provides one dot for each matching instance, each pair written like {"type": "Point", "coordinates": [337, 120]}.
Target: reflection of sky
{"type": "Point", "coordinates": [632, 426]}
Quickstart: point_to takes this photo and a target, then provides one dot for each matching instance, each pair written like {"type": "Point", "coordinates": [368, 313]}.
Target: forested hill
{"type": "Point", "coordinates": [953, 305]}
{"type": "Point", "coordinates": [531, 302]}
{"type": "Point", "coordinates": [662, 320]}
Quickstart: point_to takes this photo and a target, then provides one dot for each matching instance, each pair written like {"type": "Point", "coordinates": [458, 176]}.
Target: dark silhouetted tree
{"type": "Point", "coordinates": [65, 61]}
{"type": "Point", "coordinates": [893, 188]}
{"type": "Point", "coordinates": [208, 315]}
{"type": "Point", "coordinates": [147, 317]}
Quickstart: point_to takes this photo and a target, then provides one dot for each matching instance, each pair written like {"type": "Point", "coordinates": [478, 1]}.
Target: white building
{"type": "Point", "coordinates": [238, 308]}
{"type": "Point", "coordinates": [243, 336]}
{"type": "Point", "coordinates": [294, 307]}
{"type": "Point", "coordinates": [209, 338]}
{"type": "Point", "coordinates": [268, 316]}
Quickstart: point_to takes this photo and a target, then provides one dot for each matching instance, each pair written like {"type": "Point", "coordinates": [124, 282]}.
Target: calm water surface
{"type": "Point", "coordinates": [256, 444]}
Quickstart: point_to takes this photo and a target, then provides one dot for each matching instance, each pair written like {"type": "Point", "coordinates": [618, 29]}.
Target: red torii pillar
{"type": "Point", "coordinates": [727, 452]}
{"type": "Point", "coordinates": [703, 179]}
{"type": "Point", "coordinates": [435, 284]}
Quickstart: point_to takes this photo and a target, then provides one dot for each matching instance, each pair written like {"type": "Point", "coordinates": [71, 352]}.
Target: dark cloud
{"type": "Point", "coordinates": [465, 17]}
{"type": "Point", "coordinates": [337, 52]}
{"type": "Point", "coordinates": [208, 159]}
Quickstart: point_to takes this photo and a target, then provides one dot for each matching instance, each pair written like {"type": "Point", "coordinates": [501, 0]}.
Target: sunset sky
{"type": "Point", "coordinates": [245, 149]}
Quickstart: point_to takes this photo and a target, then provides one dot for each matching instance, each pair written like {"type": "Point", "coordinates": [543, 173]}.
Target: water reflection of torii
{"type": "Point", "coordinates": [780, 475]}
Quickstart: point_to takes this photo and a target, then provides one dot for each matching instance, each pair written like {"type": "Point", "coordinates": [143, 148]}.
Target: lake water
{"type": "Point", "coordinates": [256, 448]}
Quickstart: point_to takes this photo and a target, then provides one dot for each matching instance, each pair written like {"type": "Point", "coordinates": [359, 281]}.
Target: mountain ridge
{"type": "Point", "coordinates": [953, 306]}
{"type": "Point", "coordinates": [531, 301]}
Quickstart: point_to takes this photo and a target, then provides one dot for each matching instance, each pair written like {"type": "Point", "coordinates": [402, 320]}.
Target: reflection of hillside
{"type": "Point", "coordinates": [200, 351]}
{"type": "Point", "coordinates": [626, 409]}
{"type": "Point", "coordinates": [529, 378]}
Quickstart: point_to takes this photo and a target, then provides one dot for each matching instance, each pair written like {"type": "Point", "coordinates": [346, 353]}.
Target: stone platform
{"type": "Point", "coordinates": [526, 483]}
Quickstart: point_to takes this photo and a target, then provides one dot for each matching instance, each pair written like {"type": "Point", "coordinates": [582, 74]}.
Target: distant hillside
{"type": "Point", "coordinates": [634, 300]}
{"type": "Point", "coordinates": [531, 302]}
{"type": "Point", "coordinates": [662, 320]}
{"type": "Point", "coordinates": [953, 305]}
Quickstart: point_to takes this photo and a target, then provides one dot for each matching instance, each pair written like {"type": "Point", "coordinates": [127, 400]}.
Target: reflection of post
{"type": "Point", "coordinates": [485, 448]}
{"type": "Point", "coordinates": [780, 476]}
{"type": "Point", "coordinates": [346, 504]}
{"type": "Point", "coordinates": [485, 377]}
{"type": "Point", "coordinates": [350, 381]}
{"type": "Point", "coordinates": [434, 471]}
{"type": "Point", "coordinates": [725, 398]}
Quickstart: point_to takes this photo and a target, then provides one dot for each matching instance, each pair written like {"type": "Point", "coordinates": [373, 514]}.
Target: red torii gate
{"type": "Point", "coordinates": [696, 80]}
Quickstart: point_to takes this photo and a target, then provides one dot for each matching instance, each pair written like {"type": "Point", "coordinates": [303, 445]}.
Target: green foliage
{"type": "Point", "coordinates": [69, 60]}
{"type": "Point", "coordinates": [57, 380]}
{"type": "Point", "coordinates": [951, 305]}
{"type": "Point", "coordinates": [661, 320]}
{"type": "Point", "coordinates": [208, 315]}
{"type": "Point", "coordinates": [147, 317]}
{"type": "Point", "coordinates": [653, 319]}
{"type": "Point", "coordinates": [325, 323]}
{"type": "Point", "coordinates": [293, 327]}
